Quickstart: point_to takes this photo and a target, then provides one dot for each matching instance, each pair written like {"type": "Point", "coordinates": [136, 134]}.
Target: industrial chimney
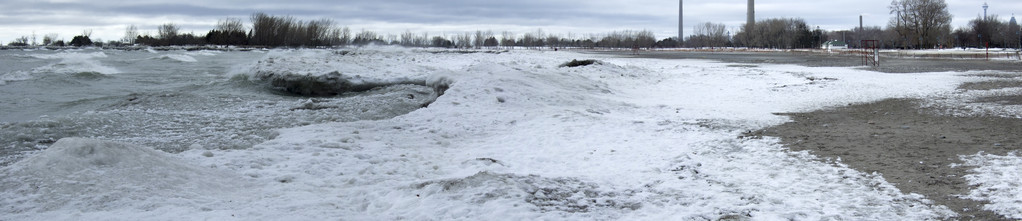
{"type": "Point", "coordinates": [750, 22]}
{"type": "Point", "coordinates": [681, 20]}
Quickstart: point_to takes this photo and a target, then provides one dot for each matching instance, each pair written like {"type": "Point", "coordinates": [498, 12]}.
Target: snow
{"type": "Point", "coordinates": [999, 181]}
{"type": "Point", "coordinates": [514, 137]}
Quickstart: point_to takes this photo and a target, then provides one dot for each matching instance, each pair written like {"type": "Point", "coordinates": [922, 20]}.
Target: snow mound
{"type": "Point", "coordinates": [90, 175]}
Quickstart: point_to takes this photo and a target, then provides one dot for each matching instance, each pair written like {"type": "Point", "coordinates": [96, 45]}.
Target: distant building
{"type": "Point", "coordinates": [834, 44]}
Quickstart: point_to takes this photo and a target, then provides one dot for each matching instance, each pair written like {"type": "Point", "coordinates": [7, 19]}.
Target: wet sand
{"type": "Point", "coordinates": [912, 147]}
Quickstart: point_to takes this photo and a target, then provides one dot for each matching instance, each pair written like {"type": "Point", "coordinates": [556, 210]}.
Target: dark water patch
{"type": "Point", "coordinates": [176, 121]}
{"type": "Point", "coordinates": [90, 75]}
{"type": "Point", "coordinates": [335, 84]}
{"type": "Point", "coordinates": [580, 63]}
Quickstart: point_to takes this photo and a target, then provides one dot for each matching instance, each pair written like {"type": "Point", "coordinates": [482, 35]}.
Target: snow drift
{"type": "Point", "coordinates": [513, 136]}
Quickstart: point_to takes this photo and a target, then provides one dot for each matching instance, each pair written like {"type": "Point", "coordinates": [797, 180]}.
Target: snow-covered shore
{"type": "Point", "coordinates": [514, 137]}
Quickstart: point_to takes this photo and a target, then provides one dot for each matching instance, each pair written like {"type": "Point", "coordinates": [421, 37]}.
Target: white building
{"type": "Point", "coordinates": [834, 44]}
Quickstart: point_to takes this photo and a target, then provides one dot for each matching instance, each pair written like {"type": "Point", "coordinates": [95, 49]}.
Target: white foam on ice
{"type": "Point", "coordinates": [15, 76]}
{"type": "Point", "coordinates": [71, 63]}
{"type": "Point", "coordinates": [178, 57]}
{"type": "Point", "coordinates": [78, 175]}
{"type": "Point", "coordinates": [71, 55]}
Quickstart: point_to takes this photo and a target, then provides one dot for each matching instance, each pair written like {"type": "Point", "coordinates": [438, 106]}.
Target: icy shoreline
{"type": "Point", "coordinates": [517, 137]}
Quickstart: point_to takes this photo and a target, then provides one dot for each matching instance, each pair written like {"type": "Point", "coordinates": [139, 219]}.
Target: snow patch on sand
{"type": "Point", "coordinates": [999, 181]}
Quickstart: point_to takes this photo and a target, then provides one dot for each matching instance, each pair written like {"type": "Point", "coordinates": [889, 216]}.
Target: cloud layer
{"type": "Point", "coordinates": [107, 18]}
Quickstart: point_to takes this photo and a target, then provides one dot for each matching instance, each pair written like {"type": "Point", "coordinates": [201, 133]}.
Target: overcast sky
{"type": "Point", "coordinates": [108, 18]}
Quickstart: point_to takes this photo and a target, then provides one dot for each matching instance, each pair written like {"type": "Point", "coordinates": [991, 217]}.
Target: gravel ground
{"type": "Point", "coordinates": [912, 147]}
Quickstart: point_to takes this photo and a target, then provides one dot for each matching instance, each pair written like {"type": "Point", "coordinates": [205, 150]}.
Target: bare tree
{"type": "Point", "coordinates": [478, 40]}
{"type": "Point", "coordinates": [407, 38]}
{"type": "Point", "coordinates": [20, 41]}
{"type": "Point", "coordinates": [708, 34]}
{"type": "Point", "coordinates": [130, 34]}
{"type": "Point", "coordinates": [166, 31]}
{"type": "Point", "coordinates": [920, 22]}
{"type": "Point", "coordinates": [507, 39]}
{"type": "Point", "coordinates": [49, 38]}
{"type": "Point", "coordinates": [345, 36]}
{"type": "Point", "coordinates": [230, 25]}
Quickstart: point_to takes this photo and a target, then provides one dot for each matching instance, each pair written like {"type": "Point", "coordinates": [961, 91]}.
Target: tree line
{"type": "Point", "coordinates": [287, 31]}
{"type": "Point", "coordinates": [913, 24]}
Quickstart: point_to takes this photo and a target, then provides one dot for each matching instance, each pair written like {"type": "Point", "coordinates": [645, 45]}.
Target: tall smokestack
{"type": "Point", "coordinates": [751, 20]}
{"type": "Point", "coordinates": [681, 20]}
{"type": "Point", "coordinates": [860, 22]}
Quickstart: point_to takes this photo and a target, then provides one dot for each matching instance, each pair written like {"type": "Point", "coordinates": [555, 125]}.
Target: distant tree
{"type": "Point", "coordinates": [478, 39]}
{"type": "Point", "coordinates": [167, 31]}
{"type": "Point", "coordinates": [671, 42]}
{"type": "Point", "coordinates": [507, 40]}
{"type": "Point", "coordinates": [781, 33]}
{"type": "Point", "coordinates": [130, 34]}
{"type": "Point", "coordinates": [81, 40]}
{"type": "Point", "coordinates": [366, 37]}
{"type": "Point", "coordinates": [147, 40]}
{"type": "Point", "coordinates": [441, 42]}
{"type": "Point", "coordinates": [20, 41]}
{"type": "Point", "coordinates": [709, 34]}
{"type": "Point", "coordinates": [920, 22]}
{"type": "Point", "coordinates": [491, 42]}
{"type": "Point", "coordinates": [408, 39]}
{"type": "Point", "coordinates": [464, 40]}
{"type": "Point", "coordinates": [228, 31]}
{"type": "Point", "coordinates": [49, 39]}
{"type": "Point", "coordinates": [230, 24]}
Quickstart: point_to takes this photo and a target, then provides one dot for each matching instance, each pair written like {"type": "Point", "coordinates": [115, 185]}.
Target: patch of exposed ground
{"type": "Point", "coordinates": [909, 146]}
